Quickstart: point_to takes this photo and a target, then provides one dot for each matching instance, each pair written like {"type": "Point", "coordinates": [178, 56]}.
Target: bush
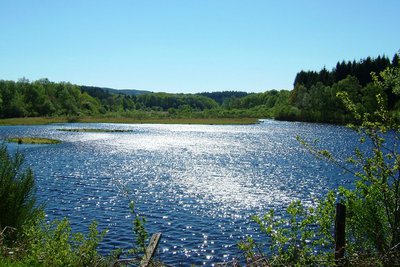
{"type": "Point", "coordinates": [301, 238]}
{"type": "Point", "coordinates": [54, 244]}
{"type": "Point", "coordinates": [17, 200]}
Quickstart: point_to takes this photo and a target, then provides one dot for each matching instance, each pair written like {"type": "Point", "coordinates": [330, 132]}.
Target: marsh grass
{"type": "Point", "coordinates": [88, 130]}
{"type": "Point", "coordinates": [33, 140]}
{"type": "Point", "coordinates": [32, 121]}
{"type": "Point", "coordinates": [129, 120]}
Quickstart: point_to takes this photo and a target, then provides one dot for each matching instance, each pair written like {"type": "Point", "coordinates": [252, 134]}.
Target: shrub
{"type": "Point", "coordinates": [17, 200]}
{"type": "Point", "coordinates": [301, 238]}
{"type": "Point", "coordinates": [54, 244]}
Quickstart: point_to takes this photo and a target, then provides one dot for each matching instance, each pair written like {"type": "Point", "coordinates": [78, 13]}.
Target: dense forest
{"type": "Point", "coordinates": [313, 98]}
{"type": "Point", "coordinates": [314, 95]}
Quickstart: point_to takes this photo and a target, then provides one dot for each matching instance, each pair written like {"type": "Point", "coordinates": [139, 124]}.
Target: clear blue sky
{"type": "Point", "coordinates": [190, 45]}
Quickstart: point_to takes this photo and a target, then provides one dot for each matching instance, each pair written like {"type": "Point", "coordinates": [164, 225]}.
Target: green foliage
{"type": "Point", "coordinates": [53, 244]}
{"type": "Point", "coordinates": [164, 101]}
{"type": "Point", "coordinates": [302, 237]}
{"type": "Point", "coordinates": [223, 98]}
{"type": "Point", "coordinates": [374, 206]}
{"type": "Point", "coordinates": [360, 69]}
{"type": "Point", "coordinates": [312, 99]}
{"type": "Point", "coordinates": [314, 93]}
{"type": "Point", "coordinates": [389, 78]}
{"type": "Point", "coordinates": [26, 238]}
{"type": "Point", "coordinates": [17, 201]}
{"type": "Point", "coordinates": [139, 230]}
{"type": "Point", "coordinates": [44, 98]}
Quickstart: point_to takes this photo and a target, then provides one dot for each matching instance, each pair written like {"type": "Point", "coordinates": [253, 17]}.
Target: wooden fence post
{"type": "Point", "coordinates": [146, 260]}
{"type": "Point", "coordinates": [151, 248]}
{"type": "Point", "coordinates": [340, 233]}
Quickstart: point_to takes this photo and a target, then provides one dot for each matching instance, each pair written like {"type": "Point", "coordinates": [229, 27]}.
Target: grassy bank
{"type": "Point", "coordinates": [49, 120]}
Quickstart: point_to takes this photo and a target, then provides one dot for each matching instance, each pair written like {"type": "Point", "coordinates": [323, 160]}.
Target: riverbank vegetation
{"type": "Point", "coordinates": [313, 99]}
{"type": "Point", "coordinates": [304, 235]}
{"type": "Point", "coordinates": [28, 238]}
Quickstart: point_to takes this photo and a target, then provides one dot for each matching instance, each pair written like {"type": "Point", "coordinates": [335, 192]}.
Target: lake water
{"type": "Point", "coordinates": [197, 184]}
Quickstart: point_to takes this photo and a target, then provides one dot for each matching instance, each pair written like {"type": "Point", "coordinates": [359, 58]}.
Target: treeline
{"type": "Point", "coordinates": [224, 96]}
{"type": "Point", "coordinates": [313, 98]}
{"type": "Point", "coordinates": [45, 99]}
{"type": "Point", "coordinates": [314, 95]}
{"type": "Point", "coordinates": [149, 101]}
{"type": "Point", "coordinates": [360, 69]}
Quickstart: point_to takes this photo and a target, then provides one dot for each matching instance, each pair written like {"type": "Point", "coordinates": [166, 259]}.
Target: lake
{"type": "Point", "coordinates": [197, 184]}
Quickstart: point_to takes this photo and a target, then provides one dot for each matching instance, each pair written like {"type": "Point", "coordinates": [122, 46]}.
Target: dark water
{"type": "Point", "coordinates": [197, 184]}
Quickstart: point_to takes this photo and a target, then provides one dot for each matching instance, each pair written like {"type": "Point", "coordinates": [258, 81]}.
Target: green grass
{"type": "Point", "coordinates": [49, 120]}
{"type": "Point", "coordinates": [33, 140]}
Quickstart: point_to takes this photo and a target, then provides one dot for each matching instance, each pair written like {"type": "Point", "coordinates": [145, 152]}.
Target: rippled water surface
{"type": "Point", "coordinates": [197, 184]}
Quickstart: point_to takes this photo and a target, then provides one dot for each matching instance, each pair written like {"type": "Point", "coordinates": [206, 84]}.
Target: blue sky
{"type": "Point", "coordinates": [190, 45]}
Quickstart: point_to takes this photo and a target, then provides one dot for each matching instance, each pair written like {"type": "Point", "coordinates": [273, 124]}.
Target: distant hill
{"type": "Point", "coordinates": [114, 91]}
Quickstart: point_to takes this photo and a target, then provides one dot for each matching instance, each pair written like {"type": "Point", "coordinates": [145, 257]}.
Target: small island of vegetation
{"type": "Point", "coordinates": [88, 130]}
{"type": "Point", "coordinates": [33, 140]}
